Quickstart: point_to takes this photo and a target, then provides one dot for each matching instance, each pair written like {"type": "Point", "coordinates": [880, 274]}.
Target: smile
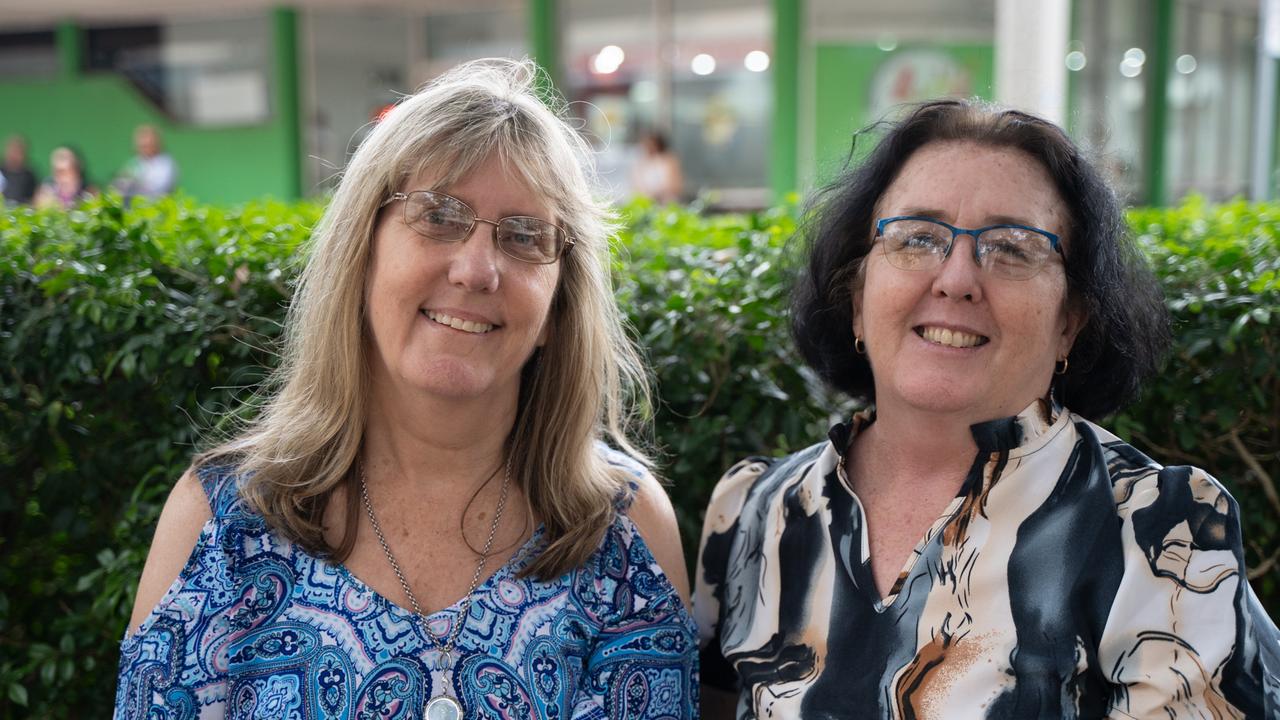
{"type": "Point", "coordinates": [950, 338]}
{"type": "Point", "coordinates": [468, 326]}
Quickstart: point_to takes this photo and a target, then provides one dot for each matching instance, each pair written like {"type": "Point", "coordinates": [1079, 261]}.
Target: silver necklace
{"type": "Point", "coordinates": [443, 706]}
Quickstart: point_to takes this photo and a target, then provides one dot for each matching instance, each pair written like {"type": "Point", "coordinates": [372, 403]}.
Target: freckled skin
{"type": "Point", "coordinates": [409, 272]}
{"type": "Point", "coordinates": [1027, 322]}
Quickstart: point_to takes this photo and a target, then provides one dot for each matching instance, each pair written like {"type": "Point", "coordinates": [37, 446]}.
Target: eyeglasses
{"type": "Point", "coordinates": [447, 219]}
{"type": "Point", "coordinates": [1013, 252]}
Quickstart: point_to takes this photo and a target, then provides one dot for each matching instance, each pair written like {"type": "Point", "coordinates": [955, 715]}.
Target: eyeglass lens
{"type": "Point", "coordinates": [448, 219]}
{"type": "Point", "coordinates": [1009, 252]}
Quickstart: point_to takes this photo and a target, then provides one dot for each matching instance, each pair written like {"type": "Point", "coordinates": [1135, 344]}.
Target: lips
{"type": "Point", "coordinates": [467, 326]}
{"type": "Point", "coordinates": [949, 337]}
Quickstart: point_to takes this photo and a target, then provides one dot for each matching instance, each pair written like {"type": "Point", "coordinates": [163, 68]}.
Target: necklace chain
{"type": "Point", "coordinates": [446, 647]}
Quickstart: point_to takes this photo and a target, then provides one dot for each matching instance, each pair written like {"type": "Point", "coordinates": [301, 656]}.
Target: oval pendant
{"type": "Point", "coordinates": [443, 707]}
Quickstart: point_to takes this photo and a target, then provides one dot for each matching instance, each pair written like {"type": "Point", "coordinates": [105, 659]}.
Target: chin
{"type": "Point", "coordinates": [455, 380]}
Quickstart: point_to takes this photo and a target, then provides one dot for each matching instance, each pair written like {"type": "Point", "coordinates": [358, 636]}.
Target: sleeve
{"type": "Point", "coordinates": [1186, 637]}
{"type": "Point", "coordinates": [718, 531]}
{"type": "Point", "coordinates": [174, 666]}
{"type": "Point", "coordinates": [644, 662]}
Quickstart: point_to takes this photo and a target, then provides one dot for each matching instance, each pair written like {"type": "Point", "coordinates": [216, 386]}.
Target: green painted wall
{"type": "Point", "coordinates": [97, 115]}
{"type": "Point", "coordinates": [844, 78]}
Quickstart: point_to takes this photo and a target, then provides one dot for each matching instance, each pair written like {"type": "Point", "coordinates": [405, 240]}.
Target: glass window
{"type": "Point", "coordinates": [1107, 59]}
{"type": "Point", "coordinates": [1211, 109]}
{"type": "Point", "coordinates": [693, 72]}
{"type": "Point", "coordinates": [357, 64]}
{"type": "Point", "coordinates": [28, 55]}
{"type": "Point", "coordinates": [208, 72]}
{"type": "Point", "coordinates": [483, 29]}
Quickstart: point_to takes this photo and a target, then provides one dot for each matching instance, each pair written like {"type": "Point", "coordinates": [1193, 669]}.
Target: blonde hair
{"type": "Point", "coordinates": [585, 385]}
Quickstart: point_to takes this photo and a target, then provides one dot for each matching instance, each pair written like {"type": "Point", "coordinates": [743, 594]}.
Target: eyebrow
{"type": "Point", "coordinates": [993, 220]}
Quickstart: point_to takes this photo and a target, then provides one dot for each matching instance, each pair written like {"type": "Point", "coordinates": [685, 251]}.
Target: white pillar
{"type": "Point", "coordinates": [1264, 115]}
{"type": "Point", "coordinates": [1031, 47]}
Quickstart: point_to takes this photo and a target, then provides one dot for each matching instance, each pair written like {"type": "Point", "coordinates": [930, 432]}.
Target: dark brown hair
{"type": "Point", "coordinates": [1126, 331]}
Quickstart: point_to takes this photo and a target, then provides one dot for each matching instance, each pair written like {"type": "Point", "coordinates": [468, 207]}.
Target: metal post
{"type": "Point", "coordinates": [70, 49]}
{"type": "Point", "coordinates": [787, 38]}
{"type": "Point", "coordinates": [544, 40]}
{"type": "Point", "coordinates": [1158, 101]}
{"type": "Point", "coordinates": [285, 26]}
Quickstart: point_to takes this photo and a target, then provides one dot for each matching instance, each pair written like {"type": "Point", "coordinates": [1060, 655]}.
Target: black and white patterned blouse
{"type": "Point", "coordinates": [1072, 577]}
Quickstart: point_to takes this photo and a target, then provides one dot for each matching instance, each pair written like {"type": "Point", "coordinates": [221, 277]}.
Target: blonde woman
{"type": "Point", "coordinates": [425, 520]}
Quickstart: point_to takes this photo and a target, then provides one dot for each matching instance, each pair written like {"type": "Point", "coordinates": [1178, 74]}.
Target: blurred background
{"type": "Point", "coordinates": [756, 98]}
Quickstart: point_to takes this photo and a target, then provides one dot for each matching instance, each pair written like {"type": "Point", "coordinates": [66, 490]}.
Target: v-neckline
{"type": "Point", "coordinates": [446, 615]}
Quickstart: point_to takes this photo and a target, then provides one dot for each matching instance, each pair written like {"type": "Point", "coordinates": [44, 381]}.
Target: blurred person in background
{"type": "Point", "coordinates": [425, 520]}
{"type": "Point", "coordinates": [67, 185]}
{"type": "Point", "coordinates": [20, 181]}
{"type": "Point", "coordinates": [973, 545]}
{"type": "Point", "coordinates": [656, 173]}
{"type": "Point", "coordinates": [151, 173]}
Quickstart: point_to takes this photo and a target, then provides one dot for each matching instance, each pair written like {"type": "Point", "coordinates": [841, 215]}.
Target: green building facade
{"type": "Point", "coordinates": [759, 98]}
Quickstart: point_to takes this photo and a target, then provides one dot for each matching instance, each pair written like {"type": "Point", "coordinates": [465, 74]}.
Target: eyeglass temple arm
{"type": "Point", "coordinates": [394, 197]}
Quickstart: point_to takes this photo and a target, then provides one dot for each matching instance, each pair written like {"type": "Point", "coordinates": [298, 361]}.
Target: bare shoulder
{"type": "Point", "coordinates": [655, 519]}
{"type": "Point", "coordinates": [181, 520]}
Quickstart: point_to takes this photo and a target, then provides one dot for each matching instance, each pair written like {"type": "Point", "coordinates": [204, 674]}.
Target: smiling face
{"type": "Point", "coordinates": [457, 320]}
{"type": "Point", "coordinates": [955, 339]}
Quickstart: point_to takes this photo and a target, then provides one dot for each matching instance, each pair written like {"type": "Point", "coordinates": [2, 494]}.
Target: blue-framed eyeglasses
{"type": "Point", "coordinates": [1013, 252]}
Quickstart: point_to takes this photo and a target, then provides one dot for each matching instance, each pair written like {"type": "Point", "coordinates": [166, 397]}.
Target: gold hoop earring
{"type": "Point", "coordinates": [859, 346]}
{"type": "Point", "coordinates": [1060, 370]}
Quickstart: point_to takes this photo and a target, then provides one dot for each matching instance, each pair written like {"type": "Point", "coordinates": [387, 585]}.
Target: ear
{"type": "Point", "coordinates": [855, 300]}
{"type": "Point", "coordinates": [1076, 317]}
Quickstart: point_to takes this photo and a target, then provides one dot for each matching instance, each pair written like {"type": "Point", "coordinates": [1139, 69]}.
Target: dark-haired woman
{"type": "Point", "coordinates": [973, 545]}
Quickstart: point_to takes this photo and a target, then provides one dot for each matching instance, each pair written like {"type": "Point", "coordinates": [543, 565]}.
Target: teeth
{"type": "Point", "coordinates": [459, 323]}
{"type": "Point", "coordinates": [950, 338]}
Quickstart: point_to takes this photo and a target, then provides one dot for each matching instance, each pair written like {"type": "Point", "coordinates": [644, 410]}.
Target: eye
{"type": "Point", "coordinates": [529, 238]}
{"type": "Point", "coordinates": [438, 216]}
{"type": "Point", "coordinates": [1013, 246]}
{"type": "Point", "coordinates": [916, 237]}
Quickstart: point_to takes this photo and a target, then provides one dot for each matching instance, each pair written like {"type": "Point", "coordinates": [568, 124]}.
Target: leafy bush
{"type": "Point", "coordinates": [122, 332]}
{"type": "Point", "coordinates": [1217, 403]}
{"type": "Point", "coordinates": [118, 332]}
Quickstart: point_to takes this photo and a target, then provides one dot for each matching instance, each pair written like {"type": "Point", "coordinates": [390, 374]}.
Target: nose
{"type": "Point", "coordinates": [474, 263]}
{"type": "Point", "coordinates": [960, 276]}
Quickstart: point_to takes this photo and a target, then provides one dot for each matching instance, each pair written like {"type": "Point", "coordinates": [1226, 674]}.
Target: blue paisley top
{"type": "Point", "coordinates": [256, 627]}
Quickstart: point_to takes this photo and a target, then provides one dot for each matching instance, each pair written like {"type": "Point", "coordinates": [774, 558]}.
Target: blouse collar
{"type": "Point", "coordinates": [1019, 434]}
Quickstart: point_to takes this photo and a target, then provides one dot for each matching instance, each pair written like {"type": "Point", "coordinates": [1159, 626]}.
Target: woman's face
{"type": "Point", "coordinates": [1005, 335]}
{"type": "Point", "coordinates": [457, 320]}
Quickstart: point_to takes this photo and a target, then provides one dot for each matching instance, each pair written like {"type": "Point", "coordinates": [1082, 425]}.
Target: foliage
{"type": "Point", "coordinates": [119, 331]}
{"type": "Point", "coordinates": [1217, 403]}
{"type": "Point", "coordinates": [127, 333]}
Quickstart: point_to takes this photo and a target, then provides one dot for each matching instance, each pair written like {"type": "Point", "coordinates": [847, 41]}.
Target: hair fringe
{"type": "Point", "coordinates": [587, 385]}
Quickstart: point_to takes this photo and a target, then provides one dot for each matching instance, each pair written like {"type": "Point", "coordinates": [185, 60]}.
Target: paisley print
{"type": "Point", "coordinates": [255, 627]}
{"type": "Point", "coordinates": [1071, 577]}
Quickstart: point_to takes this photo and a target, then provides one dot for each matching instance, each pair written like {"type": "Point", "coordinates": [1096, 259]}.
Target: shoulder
{"type": "Point", "coordinates": [1180, 518]}
{"type": "Point", "coordinates": [756, 483]}
{"type": "Point", "coordinates": [648, 508]}
{"type": "Point", "coordinates": [1142, 485]}
{"type": "Point", "coordinates": [182, 520]}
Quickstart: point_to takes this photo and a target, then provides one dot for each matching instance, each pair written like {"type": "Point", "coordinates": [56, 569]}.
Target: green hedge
{"type": "Point", "coordinates": [124, 333]}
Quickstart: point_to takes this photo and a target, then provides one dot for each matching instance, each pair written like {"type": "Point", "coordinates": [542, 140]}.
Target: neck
{"type": "Point", "coordinates": [418, 438]}
{"type": "Point", "coordinates": [908, 448]}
